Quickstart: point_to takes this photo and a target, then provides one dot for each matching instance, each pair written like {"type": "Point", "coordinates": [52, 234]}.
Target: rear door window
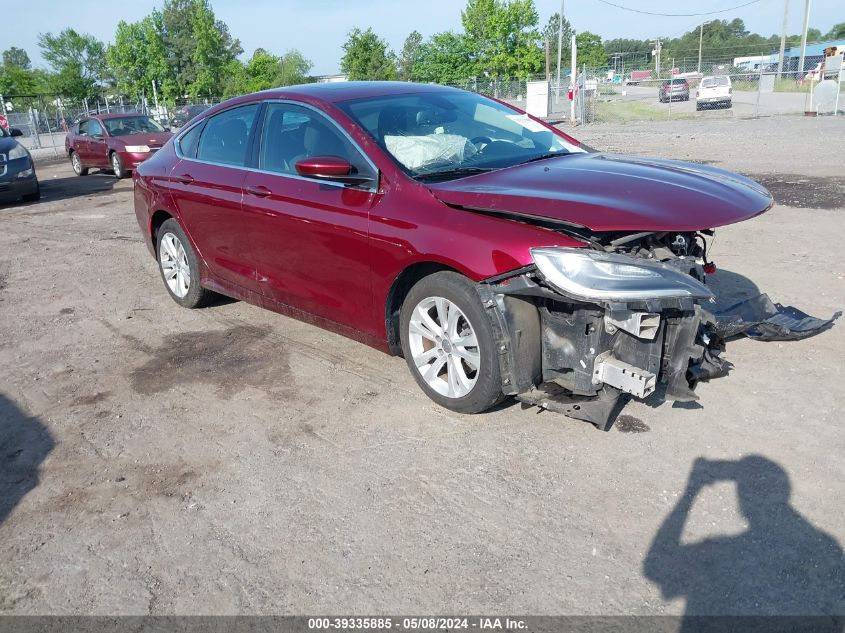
{"type": "Point", "coordinates": [225, 138]}
{"type": "Point", "coordinates": [94, 128]}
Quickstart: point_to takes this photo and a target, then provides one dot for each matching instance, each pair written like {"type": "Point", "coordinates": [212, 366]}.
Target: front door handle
{"type": "Point", "coordinates": [185, 179]}
{"type": "Point", "coordinates": [258, 190]}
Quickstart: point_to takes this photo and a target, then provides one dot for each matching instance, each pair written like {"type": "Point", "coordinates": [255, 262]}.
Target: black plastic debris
{"type": "Point", "coordinates": [760, 319]}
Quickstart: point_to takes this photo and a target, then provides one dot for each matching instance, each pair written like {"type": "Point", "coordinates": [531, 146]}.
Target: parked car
{"type": "Point", "coordinates": [713, 92]}
{"type": "Point", "coordinates": [676, 89]}
{"type": "Point", "coordinates": [119, 142]}
{"type": "Point", "coordinates": [17, 170]}
{"type": "Point", "coordinates": [185, 113]}
{"type": "Point", "coordinates": [494, 252]}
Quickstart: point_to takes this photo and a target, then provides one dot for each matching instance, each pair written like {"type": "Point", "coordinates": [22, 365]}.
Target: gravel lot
{"type": "Point", "coordinates": [230, 460]}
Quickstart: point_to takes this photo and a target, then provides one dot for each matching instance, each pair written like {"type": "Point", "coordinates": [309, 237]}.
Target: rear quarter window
{"type": "Point", "coordinates": [189, 141]}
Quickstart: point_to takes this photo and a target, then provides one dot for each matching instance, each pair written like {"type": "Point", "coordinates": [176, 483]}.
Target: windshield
{"type": "Point", "coordinates": [710, 82]}
{"type": "Point", "coordinates": [124, 126]}
{"type": "Point", "coordinates": [453, 134]}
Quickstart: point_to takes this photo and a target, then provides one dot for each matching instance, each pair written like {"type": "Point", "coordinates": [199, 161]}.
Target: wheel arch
{"type": "Point", "coordinates": [156, 220]}
{"type": "Point", "coordinates": [399, 289]}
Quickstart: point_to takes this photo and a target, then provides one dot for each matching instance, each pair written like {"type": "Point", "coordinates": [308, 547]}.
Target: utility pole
{"type": "Point", "coordinates": [548, 73]}
{"type": "Point", "coordinates": [155, 99]}
{"type": "Point", "coordinates": [783, 36]}
{"type": "Point", "coordinates": [559, 50]}
{"type": "Point", "coordinates": [572, 80]}
{"type": "Point", "coordinates": [701, 40]}
{"type": "Point", "coordinates": [656, 54]}
{"type": "Point", "coordinates": [804, 38]}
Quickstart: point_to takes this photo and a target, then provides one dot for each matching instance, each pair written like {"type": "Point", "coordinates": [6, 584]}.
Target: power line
{"type": "Point", "coordinates": [678, 15]}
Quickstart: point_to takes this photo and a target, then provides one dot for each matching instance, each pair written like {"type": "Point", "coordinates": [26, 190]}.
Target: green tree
{"type": "Point", "coordinates": [293, 69]}
{"type": "Point", "coordinates": [367, 57]}
{"type": "Point", "coordinates": [16, 57]}
{"type": "Point", "coordinates": [590, 50]}
{"type": "Point", "coordinates": [550, 34]}
{"type": "Point", "coordinates": [17, 76]}
{"type": "Point", "coordinates": [137, 57]}
{"type": "Point", "coordinates": [837, 32]}
{"type": "Point", "coordinates": [409, 56]}
{"type": "Point", "coordinates": [78, 62]}
{"type": "Point", "coordinates": [264, 70]}
{"type": "Point", "coordinates": [505, 37]}
{"type": "Point", "coordinates": [445, 58]}
{"type": "Point", "coordinates": [198, 48]}
{"type": "Point", "coordinates": [19, 81]}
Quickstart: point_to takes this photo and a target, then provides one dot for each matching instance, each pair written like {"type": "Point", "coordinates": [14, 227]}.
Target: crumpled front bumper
{"type": "Point", "coordinates": [586, 360]}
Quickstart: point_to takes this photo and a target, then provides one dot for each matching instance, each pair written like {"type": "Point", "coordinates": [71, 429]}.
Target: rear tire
{"type": "Point", "coordinates": [179, 267]}
{"type": "Point", "coordinates": [76, 163]}
{"type": "Point", "coordinates": [448, 343]}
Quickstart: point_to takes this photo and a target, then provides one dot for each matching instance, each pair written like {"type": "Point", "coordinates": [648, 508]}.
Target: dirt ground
{"type": "Point", "coordinates": [230, 460]}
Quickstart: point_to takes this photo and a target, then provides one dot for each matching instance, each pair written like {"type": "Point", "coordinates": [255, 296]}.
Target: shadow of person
{"type": "Point", "coordinates": [24, 443]}
{"type": "Point", "coordinates": [780, 566]}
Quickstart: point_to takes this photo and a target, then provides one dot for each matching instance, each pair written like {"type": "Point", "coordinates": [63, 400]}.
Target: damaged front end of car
{"type": "Point", "coordinates": [582, 330]}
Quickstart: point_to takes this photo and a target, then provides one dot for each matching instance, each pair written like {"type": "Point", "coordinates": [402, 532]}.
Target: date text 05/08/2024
{"type": "Point", "coordinates": [416, 623]}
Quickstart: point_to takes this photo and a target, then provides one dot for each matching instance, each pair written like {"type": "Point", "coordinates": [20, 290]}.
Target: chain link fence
{"type": "Point", "coordinates": [692, 95]}
{"type": "Point", "coordinates": [621, 94]}
{"type": "Point", "coordinates": [45, 119]}
{"type": "Point", "coordinates": [679, 92]}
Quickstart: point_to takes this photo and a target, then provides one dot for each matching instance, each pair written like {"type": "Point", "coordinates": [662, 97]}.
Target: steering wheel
{"type": "Point", "coordinates": [481, 142]}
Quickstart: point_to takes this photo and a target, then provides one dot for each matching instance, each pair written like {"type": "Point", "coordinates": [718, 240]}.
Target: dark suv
{"type": "Point", "coordinates": [673, 90]}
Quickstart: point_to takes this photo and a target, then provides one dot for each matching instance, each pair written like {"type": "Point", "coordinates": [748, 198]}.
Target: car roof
{"type": "Point", "coordinates": [114, 115]}
{"type": "Point", "coordinates": [334, 92]}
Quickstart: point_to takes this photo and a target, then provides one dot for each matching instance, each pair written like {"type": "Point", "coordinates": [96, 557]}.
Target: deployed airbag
{"type": "Point", "coordinates": [416, 151]}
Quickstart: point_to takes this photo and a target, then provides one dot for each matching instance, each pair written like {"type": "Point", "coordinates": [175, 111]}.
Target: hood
{"type": "Point", "coordinates": [607, 192]}
{"type": "Point", "coordinates": [151, 139]}
{"type": "Point", "coordinates": [6, 144]}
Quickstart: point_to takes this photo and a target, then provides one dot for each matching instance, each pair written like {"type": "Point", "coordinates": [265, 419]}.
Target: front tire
{"type": "Point", "coordinates": [117, 166]}
{"type": "Point", "coordinates": [35, 196]}
{"type": "Point", "coordinates": [448, 343]}
{"type": "Point", "coordinates": [179, 266]}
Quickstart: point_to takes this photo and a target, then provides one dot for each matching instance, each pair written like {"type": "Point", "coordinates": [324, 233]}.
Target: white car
{"type": "Point", "coordinates": [713, 92]}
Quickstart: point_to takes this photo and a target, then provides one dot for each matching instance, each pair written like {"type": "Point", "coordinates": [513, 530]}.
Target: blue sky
{"type": "Point", "coordinates": [318, 27]}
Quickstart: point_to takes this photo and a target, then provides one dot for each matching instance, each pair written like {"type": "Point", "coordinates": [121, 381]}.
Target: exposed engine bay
{"type": "Point", "coordinates": [580, 333]}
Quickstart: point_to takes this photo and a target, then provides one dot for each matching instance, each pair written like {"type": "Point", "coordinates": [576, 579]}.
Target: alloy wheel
{"type": "Point", "coordinates": [174, 265]}
{"type": "Point", "coordinates": [444, 347]}
{"type": "Point", "coordinates": [76, 163]}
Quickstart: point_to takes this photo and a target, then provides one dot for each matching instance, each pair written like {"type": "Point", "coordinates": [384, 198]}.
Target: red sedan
{"type": "Point", "coordinates": [498, 255]}
{"type": "Point", "coordinates": [119, 142]}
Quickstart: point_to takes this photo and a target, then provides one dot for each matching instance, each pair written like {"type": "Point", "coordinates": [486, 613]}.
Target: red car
{"type": "Point", "coordinates": [498, 255]}
{"type": "Point", "coordinates": [119, 142]}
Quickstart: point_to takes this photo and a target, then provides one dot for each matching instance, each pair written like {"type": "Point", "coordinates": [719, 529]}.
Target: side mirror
{"type": "Point", "coordinates": [13, 131]}
{"type": "Point", "coordinates": [332, 168]}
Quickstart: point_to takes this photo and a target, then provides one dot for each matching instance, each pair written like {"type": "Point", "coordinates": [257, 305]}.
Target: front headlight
{"type": "Point", "coordinates": [137, 149]}
{"type": "Point", "coordinates": [17, 151]}
{"type": "Point", "coordinates": [593, 276]}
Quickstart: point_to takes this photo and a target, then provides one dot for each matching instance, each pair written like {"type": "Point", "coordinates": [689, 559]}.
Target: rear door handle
{"type": "Point", "coordinates": [258, 190]}
{"type": "Point", "coordinates": [185, 179]}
